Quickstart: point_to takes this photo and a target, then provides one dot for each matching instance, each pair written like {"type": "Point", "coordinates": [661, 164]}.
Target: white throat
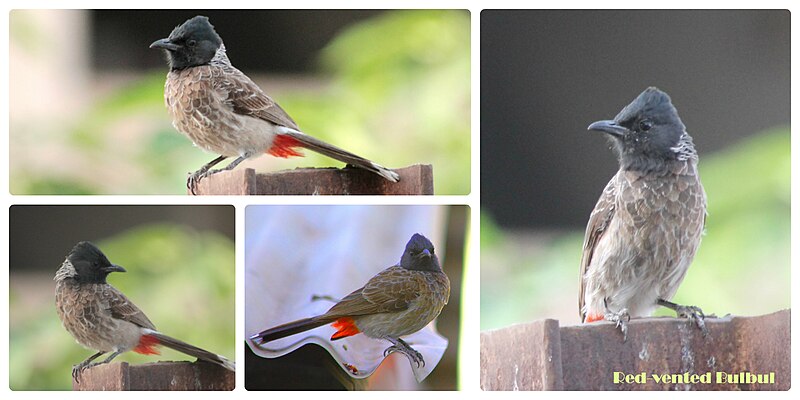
{"type": "Point", "coordinates": [67, 270]}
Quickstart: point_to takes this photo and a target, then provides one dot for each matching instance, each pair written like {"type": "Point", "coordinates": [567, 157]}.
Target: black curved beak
{"type": "Point", "coordinates": [164, 44]}
{"type": "Point", "coordinates": [610, 127]}
{"type": "Point", "coordinates": [115, 268]}
{"type": "Point", "coordinates": [425, 253]}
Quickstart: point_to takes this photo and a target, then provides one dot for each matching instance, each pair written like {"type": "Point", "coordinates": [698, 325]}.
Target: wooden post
{"type": "Point", "coordinates": [542, 356]}
{"type": "Point", "coordinates": [414, 180]}
{"type": "Point", "coordinates": [180, 375]}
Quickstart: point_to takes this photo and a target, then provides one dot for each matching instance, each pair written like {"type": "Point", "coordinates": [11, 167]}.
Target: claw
{"type": "Point", "coordinates": [402, 347]}
{"type": "Point", "coordinates": [77, 370]}
{"type": "Point", "coordinates": [194, 179]}
{"type": "Point", "coordinates": [413, 355]}
{"type": "Point", "coordinates": [621, 320]}
{"type": "Point", "coordinates": [204, 171]}
{"type": "Point", "coordinates": [191, 184]}
{"type": "Point", "coordinates": [420, 359]}
{"type": "Point", "coordinates": [693, 313]}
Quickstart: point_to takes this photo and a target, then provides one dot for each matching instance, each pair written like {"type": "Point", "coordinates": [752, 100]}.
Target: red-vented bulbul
{"type": "Point", "coordinates": [101, 318]}
{"type": "Point", "coordinates": [222, 111]}
{"type": "Point", "coordinates": [645, 229]}
{"type": "Point", "coordinates": [398, 301]}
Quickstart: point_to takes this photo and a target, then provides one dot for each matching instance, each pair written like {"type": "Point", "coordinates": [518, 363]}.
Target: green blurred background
{"type": "Point", "coordinates": [741, 268]}
{"type": "Point", "coordinates": [86, 93]}
{"type": "Point", "coordinates": [180, 272]}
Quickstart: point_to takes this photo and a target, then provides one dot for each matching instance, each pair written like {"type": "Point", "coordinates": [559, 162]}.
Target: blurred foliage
{"type": "Point", "coordinates": [181, 278]}
{"type": "Point", "coordinates": [491, 234]}
{"type": "Point", "coordinates": [24, 30]}
{"type": "Point", "coordinates": [396, 90]}
{"type": "Point", "coordinates": [741, 268]}
{"type": "Point", "coordinates": [399, 94]}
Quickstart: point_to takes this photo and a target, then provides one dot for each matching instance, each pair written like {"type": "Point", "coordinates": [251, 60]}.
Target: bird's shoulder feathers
{"type": "Point", "coordinates": [391, 290]}
{"type": "Point", "coordinates": [122, 308]}
{"type": "Point", "coordinates": [245, 97]}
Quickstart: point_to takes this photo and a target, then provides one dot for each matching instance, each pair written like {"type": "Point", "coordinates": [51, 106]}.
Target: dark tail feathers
{"type": "Point", "coordinates": [344, 156]}
{"type": "Point", "coordinates": [193, 351]}
{"type": "Point", "coordinates": [288, 329]}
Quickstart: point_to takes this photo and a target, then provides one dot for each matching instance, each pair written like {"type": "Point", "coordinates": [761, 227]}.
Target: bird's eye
{"type": "Point", "coordinates": [191, 42]}
{"type": "Point", "coordinates": [645, 125]}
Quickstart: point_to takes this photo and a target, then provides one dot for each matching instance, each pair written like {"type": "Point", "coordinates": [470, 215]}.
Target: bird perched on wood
{"type": "Point", "coordinates": [646, 227]}
{"type": "Point", "coordinates": [222, 111]}
{"type": "Point", "coordinates": [396, 302]}
{"type": "Point", "coordinates": [101, 318]}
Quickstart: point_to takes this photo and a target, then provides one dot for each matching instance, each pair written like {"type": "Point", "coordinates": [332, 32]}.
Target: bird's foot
{"type": "Point", "coordinates": [621, 320]}
{"type": "Point", "coordinates": [194, 179]}
{"type": "Point", "coordinates": [87, 363]}
{"type": "Point", "coordinates": [399, 346]}
{"type": "Point", "coordinates": [693, 313]}
{"type": "Point", "coordinates": [205, 171]}
{"type": "Point", "coordinates": [77, 370]}
{"type": "Point", "coordinates": [696, 314]}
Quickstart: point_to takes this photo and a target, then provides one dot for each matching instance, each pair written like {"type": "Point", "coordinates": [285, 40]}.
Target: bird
{"type": "Point", "coordinates": [396, 302]}
{"type": "Point", "coordinates": [103, 319]}
{"type": "Point", "coordinates": [647, 225]}
{"type": "Point", "coordinates": [223, 111]}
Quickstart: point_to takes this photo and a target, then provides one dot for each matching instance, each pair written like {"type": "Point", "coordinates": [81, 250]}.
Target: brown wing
{"type": "Point", "coordinates": [246, 98]}
{"type": "Point", "coordinates": [598, 222]}
{"type": "Point", "coordinates": [391, 290]}
{"type": "Point", "coordinates": [122, 308]}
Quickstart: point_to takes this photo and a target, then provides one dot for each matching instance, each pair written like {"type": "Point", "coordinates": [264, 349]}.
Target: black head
{"type": "Point", "coordinates": [646, 133]}
{"type": "Point", "coordinates": [419, 255]}
{"type": "Point", "coordinates": [90, 264]}
{"type": "Point", "coordinates": [191, 44]}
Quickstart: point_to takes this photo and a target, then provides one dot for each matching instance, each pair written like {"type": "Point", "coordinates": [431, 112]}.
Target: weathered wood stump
{"type": "Point", "coordinates": [740, 353]}
{"type": "Point", "coordinates": [179, 375]}
{"type": "Point", "coordinates": [414, 180]}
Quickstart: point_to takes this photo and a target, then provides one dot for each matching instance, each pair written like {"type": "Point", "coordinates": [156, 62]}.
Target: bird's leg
{"type": "Point", "coordinates": [86, 364]}
{"type": "Point", "coordinates": [230, 166]}
{"type": "Point", "coordinates": [399, 346]}
{"type": "Point", "coordinates": [77, 369]}
{"type": "Point", "coordinates": [693, 313]}
{"type": "Point", "coordinates": [205, 172]}
{"type": "Point", "coordinates": [194, 178]}
{"type": "Point", "coordinates": [620, 318]}
{"type": "Point", "coordinates": [108, 359]}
